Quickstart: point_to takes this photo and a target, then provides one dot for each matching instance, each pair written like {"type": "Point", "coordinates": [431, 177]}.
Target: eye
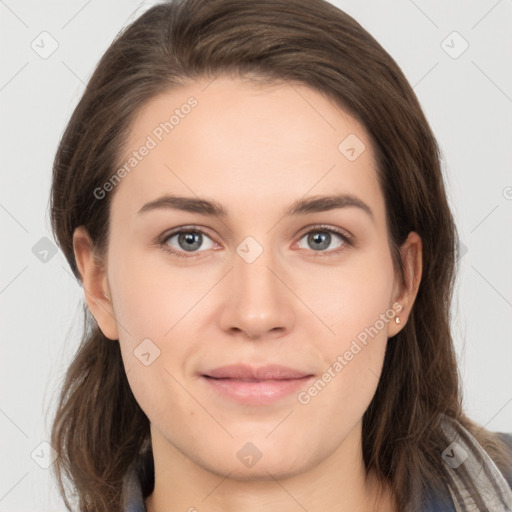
{"type": "Point", "coordinates": [186, 241]}
{"type": "Point", "coordinates": [322, 238]}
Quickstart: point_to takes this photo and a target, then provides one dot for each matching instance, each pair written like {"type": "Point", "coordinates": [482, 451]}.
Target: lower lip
{"type": "Point", "coordinates": [260, 392]}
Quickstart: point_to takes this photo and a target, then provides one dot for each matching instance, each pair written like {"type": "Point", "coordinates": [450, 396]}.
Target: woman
{"type": "Point", "coordinates": [252, 199]}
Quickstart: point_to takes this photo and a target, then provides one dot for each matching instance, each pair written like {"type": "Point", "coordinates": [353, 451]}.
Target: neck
{"type": "Point", "coordinates": [339, 482]}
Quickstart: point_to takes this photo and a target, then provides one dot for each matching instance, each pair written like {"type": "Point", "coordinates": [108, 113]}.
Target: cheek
{"type": "Point", "coordinates": [344, 391]}
{"type": "Point", "coordinates": [353, 361]}
{"type": "Point", "coordinates": [351, 297]}
{"type": "Point", "coordinates": [154, 301]}
{"type": "Point", "coordinates": [356, 305]}
{"type": "Point", "coordinates": [152, 296]}
{"type": "Point", "coordinates": [154, 306]}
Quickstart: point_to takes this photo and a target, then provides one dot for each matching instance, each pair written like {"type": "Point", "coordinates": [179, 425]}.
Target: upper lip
{"type": "Point", "coordinates": [268, 372]}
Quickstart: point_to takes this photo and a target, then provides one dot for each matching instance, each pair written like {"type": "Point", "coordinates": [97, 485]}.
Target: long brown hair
{"type": "Point", "coordinates": [99, 429]}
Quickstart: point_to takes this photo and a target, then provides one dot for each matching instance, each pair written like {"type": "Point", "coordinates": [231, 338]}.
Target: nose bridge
{"type": "Point", "coordinates": [252, 265]}
{"type": "Point", "coordinates": [259, 301]}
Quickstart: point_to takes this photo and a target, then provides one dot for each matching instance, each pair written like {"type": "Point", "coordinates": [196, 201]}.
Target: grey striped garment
{"type": "Point", "coordinates": [466, 460]}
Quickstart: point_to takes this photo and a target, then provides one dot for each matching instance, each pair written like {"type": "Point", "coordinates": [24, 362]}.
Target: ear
{"type": "Point", "coordinates": [95, 284]}
{"type": "Point", "coordinates": [405, 293]}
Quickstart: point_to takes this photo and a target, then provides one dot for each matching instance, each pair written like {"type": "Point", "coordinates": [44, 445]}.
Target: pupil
{"type": "Point", "coordinates": [193, 240]}
{"type": "Point", "coordinates": [190, 239]}
{"type": "Point", "coordinates": [320, 239]}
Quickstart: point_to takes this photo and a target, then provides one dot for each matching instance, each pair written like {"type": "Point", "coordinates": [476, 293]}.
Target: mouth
{"type": "Point", "coordinates": [255, 386]}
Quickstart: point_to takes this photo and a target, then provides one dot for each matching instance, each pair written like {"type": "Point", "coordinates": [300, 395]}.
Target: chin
{"type": "Point", "coordinates": [248, 463]}
{"type": "Point", "coordinates": [260, 472]}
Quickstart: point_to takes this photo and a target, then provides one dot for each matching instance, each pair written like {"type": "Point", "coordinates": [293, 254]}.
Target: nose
{"type": "Point", "coordinates": [259, 303]}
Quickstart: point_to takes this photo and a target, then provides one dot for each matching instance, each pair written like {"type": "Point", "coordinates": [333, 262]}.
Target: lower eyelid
{"type": "Point", "coordinates": [177, 233]}
{"type": "Point", "coordinates": [346, 239]}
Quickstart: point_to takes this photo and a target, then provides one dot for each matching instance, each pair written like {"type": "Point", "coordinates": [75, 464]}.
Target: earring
{"type": "Point", "coordinates": [397, 319]}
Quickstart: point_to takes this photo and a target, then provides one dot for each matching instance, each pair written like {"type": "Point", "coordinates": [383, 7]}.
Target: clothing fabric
{"type": "Point", "coordinates": [462, 456]}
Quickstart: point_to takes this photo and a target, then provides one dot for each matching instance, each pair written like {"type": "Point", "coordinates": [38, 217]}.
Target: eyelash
{"type": "Point", "coordinates": [347, 240]}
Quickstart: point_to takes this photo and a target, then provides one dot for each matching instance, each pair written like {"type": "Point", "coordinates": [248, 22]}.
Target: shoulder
{"type": "Point", "coordinates": [440, 500]}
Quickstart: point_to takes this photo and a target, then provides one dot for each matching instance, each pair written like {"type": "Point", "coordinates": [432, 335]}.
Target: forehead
{"type": "Point", "coordinates": [245, 144]}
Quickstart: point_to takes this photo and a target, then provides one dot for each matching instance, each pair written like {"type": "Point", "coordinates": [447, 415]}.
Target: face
{"type": "Point", "coordinates": [252, 315]}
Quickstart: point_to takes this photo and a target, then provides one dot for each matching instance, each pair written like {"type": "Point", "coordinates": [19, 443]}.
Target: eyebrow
{"type": "Point", "coordinates": [313, 204]}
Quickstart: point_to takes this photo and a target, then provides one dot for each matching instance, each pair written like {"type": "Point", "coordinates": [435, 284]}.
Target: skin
{"type": "Point", "coordinates": [255, 150]}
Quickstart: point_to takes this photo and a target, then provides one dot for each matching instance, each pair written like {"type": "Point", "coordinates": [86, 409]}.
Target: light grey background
{"type": "Point", "coordinates": [467, 99]}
